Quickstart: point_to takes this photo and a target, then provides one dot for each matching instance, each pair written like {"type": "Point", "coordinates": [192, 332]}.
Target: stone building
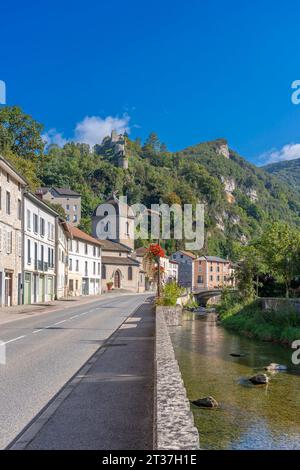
{"type": "Point", "coordinates": [12, 185]}
{"type": "Point", "coordinates": [39, 260]}
{"type": "Point", "coordinates": [68, 199]}
{"type": "Point", "coordinates": [113, 224]}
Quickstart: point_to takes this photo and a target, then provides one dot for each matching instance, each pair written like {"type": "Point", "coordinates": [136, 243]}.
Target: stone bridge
{"type": "Point", "coordinates": [202, 296]}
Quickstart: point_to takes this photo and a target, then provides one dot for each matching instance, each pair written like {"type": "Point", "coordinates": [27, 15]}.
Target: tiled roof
{"type": "Point", "coordinates": [188, 253]}
{"type": "Point", "coordinates": [213, 258]}
{"type": "Point", "coordinates": [120, 260]}
{"type": "Point", "coordinates": [141, 251]}
{"type": "Point", "coordinates": [109, 245]}
{"type": "Point", "coordinates": [66, 192]}
{"type": "Point", "coordinates": [77, 233]}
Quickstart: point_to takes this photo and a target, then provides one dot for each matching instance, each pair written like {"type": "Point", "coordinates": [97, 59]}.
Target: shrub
{"type": "Point", "coordinates": [170, 293]}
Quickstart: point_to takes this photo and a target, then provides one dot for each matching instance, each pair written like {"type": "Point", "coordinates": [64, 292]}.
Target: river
{"type": "Point", "coordinates": [249, 417]}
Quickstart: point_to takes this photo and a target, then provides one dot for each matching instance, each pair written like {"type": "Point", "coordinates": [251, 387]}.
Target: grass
{"type": "Point", "coordinates": [281, 326]}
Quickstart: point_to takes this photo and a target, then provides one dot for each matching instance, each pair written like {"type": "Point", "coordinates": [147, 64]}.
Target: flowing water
{"type": "Point", "coordinates": [249, 416]}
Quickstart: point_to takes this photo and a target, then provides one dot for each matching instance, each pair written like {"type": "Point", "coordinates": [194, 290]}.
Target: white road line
{"type": "Point", "coordinates": [14, 339]}
{"type": "Point", "coordinates": [59, 322]}
{"type": "Point", "coordinates": [38, 331]}
{"type": "Point", "coordinates": [75, 316]}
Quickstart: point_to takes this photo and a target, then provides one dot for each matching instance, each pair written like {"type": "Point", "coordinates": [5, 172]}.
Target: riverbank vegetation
{"type": "Point", "coordinates": [268, 267]}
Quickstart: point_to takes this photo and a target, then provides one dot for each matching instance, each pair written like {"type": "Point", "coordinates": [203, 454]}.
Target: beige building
{"type": "Point", "coordinates": [63, 236]}
{"type": "Point", "coordinates": [68, 199]}
{"type": "Point", "coordinates": [11, 210]}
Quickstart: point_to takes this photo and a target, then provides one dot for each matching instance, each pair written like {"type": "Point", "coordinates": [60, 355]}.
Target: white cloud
{"type": "Point", "coordinates": [91, 130]}
{"type": "Point", "coordinates": [54, 137]}
{"type": "Point", "coordinates": [287, 152]}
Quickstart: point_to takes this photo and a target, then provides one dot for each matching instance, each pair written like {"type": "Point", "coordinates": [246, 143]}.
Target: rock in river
{"type": "Point", "coordinates": [274, 367]}
{"type": "Point", "coordinates": [259, 379]}
{"type": "Point", "coordinates": [206, 402]}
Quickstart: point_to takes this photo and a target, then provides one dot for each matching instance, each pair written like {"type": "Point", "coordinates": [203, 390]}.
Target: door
{"type": "Point", "coordinates": [117, 280]}
{"type": "Point", "coordinates": [50, 288]}
{"type": "Point", "coordinates": [27, 289]}
{"type": "Point", "coordinates": [42, 289]}
{"type": "Point", "coordinates": [85, 286]}
{"type": "Point", "coordinates": [8, 289]}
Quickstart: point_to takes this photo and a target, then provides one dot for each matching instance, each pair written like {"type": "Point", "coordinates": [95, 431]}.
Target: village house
{"type": "Point", "coordinates": [212, 272]}
{"type": "Point", "coordinates": [39, 268]}
{"type": "Point", "coordinates": [185, 260]}
{"type": "Point", "coordinates": [170, 269]}
{"type": "Point", "coordinates": [84, 270]}
{"type": "Point", "coordinates": [11, 189]}
{"type": "Point", "coordinates": [63, 236]}
{"type": "Point", "coordinates": [68, 199]}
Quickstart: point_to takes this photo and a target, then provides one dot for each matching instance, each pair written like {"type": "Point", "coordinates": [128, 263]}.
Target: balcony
{"type": "Point", "coordinates": [42, 265]}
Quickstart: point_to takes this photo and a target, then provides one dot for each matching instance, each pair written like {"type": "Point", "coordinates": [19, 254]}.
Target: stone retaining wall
{"type": "Point", "coordinates": [172, 315]}
{"type": "Point", "coordinates": [174, 424]}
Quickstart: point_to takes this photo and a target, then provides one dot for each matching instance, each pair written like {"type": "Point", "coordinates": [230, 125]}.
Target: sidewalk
{"type": "Point", "coordinates": [109, 403]}
{"type": "Point", "coordinates": [16, 312]}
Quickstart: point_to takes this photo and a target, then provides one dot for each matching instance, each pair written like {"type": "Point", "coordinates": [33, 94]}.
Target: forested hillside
{"type": "Point", "coordinates": [239, 197]}
{"type": "Point", "coordinates": [287, 171]}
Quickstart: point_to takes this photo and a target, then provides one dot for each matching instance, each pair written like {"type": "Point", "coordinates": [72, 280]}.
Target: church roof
{"type": "Point", "coordinates": [109, 245]}
{"type": "Point", "coordinates": [120, 260]}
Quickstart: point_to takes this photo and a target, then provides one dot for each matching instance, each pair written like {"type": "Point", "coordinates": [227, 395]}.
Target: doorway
{"type": "Point", "coordinates": [8, 289]}
{"type": "Point", "coordinates": [117, 280]}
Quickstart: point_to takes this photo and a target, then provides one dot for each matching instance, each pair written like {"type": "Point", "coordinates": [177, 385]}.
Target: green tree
{"type": "Point", "coordinates": [20, 133]}
{"type": "Point", "coordinates": [279, 246]}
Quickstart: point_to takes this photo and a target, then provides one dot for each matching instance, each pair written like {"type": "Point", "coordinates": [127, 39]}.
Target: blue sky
{"type": "Point", "coordinates": [190, 71]}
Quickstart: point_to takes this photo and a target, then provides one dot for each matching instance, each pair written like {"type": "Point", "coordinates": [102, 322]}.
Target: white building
{"type": "Point", "coordinates": [170, 269]}
{"type": "Point", "coordinates": [11, 189]}
{"type": "Point", "coordinates": [84, 263]}
{"type": "Point", "coordinates": [39, 250]}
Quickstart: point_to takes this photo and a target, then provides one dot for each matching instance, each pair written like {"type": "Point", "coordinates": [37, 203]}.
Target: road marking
{"type": "Point", "coordinates": [38, 331]}
{"type": "Point", "coordinates": [15, 339]}
{"type": "Point", "coordinates": [59, 322]}
{"type": "Point", "coordinates": [75, 316]}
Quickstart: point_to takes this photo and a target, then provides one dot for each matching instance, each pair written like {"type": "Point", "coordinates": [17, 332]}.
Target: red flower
{"type": "Point", "coordinates": [156, 250]}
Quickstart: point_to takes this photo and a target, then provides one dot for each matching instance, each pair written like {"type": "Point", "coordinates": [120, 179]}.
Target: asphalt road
{"type": "Point", "coordinates": [44, 352]}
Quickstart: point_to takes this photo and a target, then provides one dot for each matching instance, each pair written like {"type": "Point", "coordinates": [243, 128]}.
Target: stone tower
{"type": "Point", "coordinates": [118, 144]}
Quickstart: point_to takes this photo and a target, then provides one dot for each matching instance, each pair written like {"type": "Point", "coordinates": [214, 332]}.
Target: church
{"type": "Point", "coordinates": [122, 267]}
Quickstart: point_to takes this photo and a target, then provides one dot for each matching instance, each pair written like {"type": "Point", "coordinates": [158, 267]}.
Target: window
{"type": "Point", "coordinates": [49, 257]}
{"type": "Point", "coordinates": [103, 271]}
{"type": "Point", "coordinates": [211, 268]}
{"type": "Point", "coordinates": [218, 278]}
{"type": "Point", "coordinates": [218, 268]}
{"type": "Point", "coordinates": [77, 246]}
{"type": "Point", "coordinates": [8, 202]}
{"type": "Point", "coordinates": [75, 207]}
{"type": "Point", "coordinates": [86, 248]}
{"type": "Point", "coordinates": [200, 279]}
{"type": "Point", "coordinates": [75, 218]}
{"type": "Point", "coordinates": [68, 218]}
{"type": "Point", "coordinates": [77, 265]}
{"type": "Point", "coordinates": [94, 250]}
{"type": "Point", "coordinates": [8, 242]}
{"type": "Point", "coordinates": [99, 269]}
{"type": "Point", "coordinates": [19, 186]}
{"type": "Point", "coordinates": [7, 177]}
{"type": "Point", "coordinates": [98, 251]}
{"type": "Point", "coordinates": [35, 254]}
{"type": "Point", "coordinates": [68, 207]}
{"type": "Point", "coordinates": [200, 268]}
{"type": "Point", "coordinates": [127, 229]}
{"type": "Point", "coordinates": [28, 252]}
{"type": "Point", "coordinates": [71, 264]}
{"type": "Point", "coordinates": [86, 268]}
{"type": "Point", "coordinates": [42, 226]}
{"type": "Point", "coordinates": [35, 223]}
{"type": "Point", "coordinates": [42, 255]}
{"type": "Point", "coordinates": [130, 273]}
{"type": "Point", "coordinates": [19, 209]}
{"type": "Point", "coordinates": [28, 219]}
{"type": "Point", "coordinates": [94, 268]}
{"type": "Point", "coordinates": [211, 278]}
